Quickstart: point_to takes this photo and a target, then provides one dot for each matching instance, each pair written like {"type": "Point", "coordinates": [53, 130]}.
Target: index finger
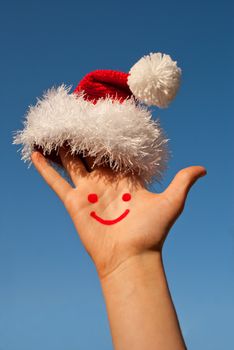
{"type": "Point", "coordinates": [58, 184]}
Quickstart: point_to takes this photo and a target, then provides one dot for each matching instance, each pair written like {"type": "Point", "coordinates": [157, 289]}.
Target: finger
{"type": "Point", "coordinates": [73, 165]}
{"type": "Point", "coordinates": [60, 186]}
{"type": "Point", "coordinates": [178, 189]}
{"type": "Point", "coordinates": [89, 163]}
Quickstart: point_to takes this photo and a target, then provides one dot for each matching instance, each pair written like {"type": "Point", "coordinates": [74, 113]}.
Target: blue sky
{"type": "Point", "coordinates": [50, 296]}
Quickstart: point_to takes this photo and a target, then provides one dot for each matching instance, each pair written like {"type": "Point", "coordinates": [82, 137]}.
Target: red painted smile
{"type": "Point", "coordinates": [109, 222]}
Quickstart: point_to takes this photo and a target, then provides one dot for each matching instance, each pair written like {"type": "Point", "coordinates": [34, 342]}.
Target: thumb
{"type": "Point", "coordinates": [178, 189]}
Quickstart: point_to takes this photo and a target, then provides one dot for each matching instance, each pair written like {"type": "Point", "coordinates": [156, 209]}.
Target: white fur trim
{"type": "Point", "coordinates": [122, 133]}
{"type": "Point", "coordinates": [155, 79]}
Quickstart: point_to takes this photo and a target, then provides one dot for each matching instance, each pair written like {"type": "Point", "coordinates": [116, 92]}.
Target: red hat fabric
{"type": "Point", "coordinates": [103, 83]}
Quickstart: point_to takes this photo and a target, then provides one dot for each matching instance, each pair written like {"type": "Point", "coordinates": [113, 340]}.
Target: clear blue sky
{"type": "Point", "coordinates": [50, 297]}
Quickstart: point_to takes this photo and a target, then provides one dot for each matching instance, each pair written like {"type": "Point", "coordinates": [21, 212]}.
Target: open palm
{"type": "Point", "coordinates": [115, 215]}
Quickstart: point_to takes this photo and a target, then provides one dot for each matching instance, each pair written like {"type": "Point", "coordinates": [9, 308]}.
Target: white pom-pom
{"type": "Point", "coordinates": [155, 79]}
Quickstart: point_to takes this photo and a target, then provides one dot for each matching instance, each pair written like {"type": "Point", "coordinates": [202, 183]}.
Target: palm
{"type": "Point", "coordinates": [139, 230]}
{"type": "Point", "coordinates": [120, 228]}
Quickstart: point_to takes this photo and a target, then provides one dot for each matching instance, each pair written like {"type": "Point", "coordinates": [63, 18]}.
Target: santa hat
{"type": "Point", "coordinates": [106, 117]}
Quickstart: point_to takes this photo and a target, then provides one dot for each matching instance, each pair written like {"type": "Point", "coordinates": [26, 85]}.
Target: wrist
{"type": "Point", "coordinates": [136, 267]}
{"type": "Point", "coordinates": [139, 305]}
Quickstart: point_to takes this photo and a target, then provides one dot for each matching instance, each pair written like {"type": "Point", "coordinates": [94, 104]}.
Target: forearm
{"type": "Point", "coordinates": [139, 306]}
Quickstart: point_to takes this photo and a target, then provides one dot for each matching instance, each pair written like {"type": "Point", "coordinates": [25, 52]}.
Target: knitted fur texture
{"type": "Point", "coordinates": [122, 135]}
{"type": "Point", "coordinates": [155, 79]}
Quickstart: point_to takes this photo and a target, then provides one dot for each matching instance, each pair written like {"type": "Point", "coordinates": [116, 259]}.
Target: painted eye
{"type": "Point", "coordinates": [92, 198]}
{"type": "Point", "coordinates": [126, 197]}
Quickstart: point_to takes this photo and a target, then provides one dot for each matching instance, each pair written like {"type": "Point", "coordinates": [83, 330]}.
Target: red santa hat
{"type": "Point", "coordinates": [107, 117]}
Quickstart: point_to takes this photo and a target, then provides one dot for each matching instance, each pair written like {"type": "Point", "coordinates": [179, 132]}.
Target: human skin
{"type": "Point", "coordinates": [128, 253]}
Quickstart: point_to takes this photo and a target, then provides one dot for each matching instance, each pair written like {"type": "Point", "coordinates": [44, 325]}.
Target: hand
{"type": "Point", "coordinates": [126, 218]}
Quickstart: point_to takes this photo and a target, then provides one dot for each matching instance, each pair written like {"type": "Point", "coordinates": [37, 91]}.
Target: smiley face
{"type": "Point", "coordinates": [93, 198]}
